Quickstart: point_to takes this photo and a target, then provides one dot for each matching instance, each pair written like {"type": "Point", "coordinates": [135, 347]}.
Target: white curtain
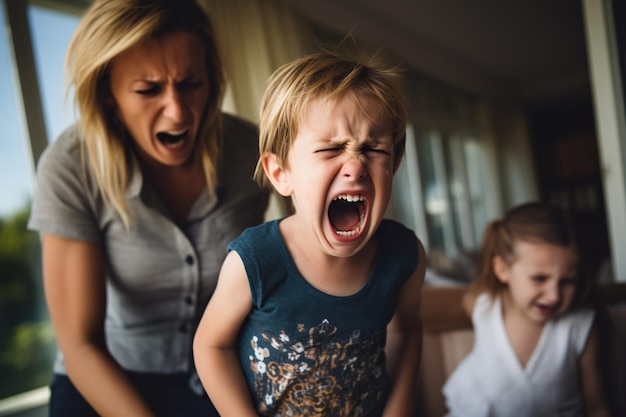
{"type": "Point", "coordinates": [257, 36]}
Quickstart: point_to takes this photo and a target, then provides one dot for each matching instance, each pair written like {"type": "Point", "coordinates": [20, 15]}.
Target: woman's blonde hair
{"type": "Point", "coordinates": [109, 28]}
{"type": "Point", "coordinates": [328, 76]}
{"type": "Point", "coordinates": [532, 222]}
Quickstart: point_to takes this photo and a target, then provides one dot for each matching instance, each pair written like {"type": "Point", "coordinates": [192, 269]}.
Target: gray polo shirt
{"type": "Point", "coordinates": [160, 275]}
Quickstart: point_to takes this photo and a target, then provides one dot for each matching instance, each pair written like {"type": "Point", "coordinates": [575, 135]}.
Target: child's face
{"type": "Point", "coordinates": [339, 173]}
{"type": "Point", "coordinates": [541, 281]}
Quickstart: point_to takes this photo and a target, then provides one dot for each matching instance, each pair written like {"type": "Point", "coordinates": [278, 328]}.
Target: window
{"type": "Point", "coordinates": [439, 190]}
{"type": "Point", "coordinates": [27, 344]}
{"type": "Point", "coordinates": [451, 166]}
{"type": "Point", "coordinates": [51, 32]}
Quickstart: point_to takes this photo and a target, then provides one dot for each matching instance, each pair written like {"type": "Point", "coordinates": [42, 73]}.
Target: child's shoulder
{"type": "Point", "coordinates": [395, 238]}
{"type": "Point", "coordinates": [397, 247]}
{"type": "Point", "coordinates": [259, 229]}
{"type": "Point", "coordinates": [480, 300]}
{"type": "Point", "coordinates": [253, 235]}
{"type": "Point", "coordinates": [579, 317]}
{"type": "Point", "coordinates": [575, 327]}
{"type": "Point", "coordinates": [393, 230]}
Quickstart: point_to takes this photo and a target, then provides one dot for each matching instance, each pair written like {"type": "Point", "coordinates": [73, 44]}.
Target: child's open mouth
{"type": "Point", "coordinates": [347, 214]}
{"type": "Point", "coordinates": [172, 139]}
{"type": "Point", "coordinates": [547, 310]}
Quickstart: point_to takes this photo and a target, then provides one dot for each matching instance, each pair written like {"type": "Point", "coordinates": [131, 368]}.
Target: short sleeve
{"type": "Point", "coordinates": [63, 201]}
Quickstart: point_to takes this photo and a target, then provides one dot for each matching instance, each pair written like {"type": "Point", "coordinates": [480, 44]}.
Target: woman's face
{"type": "Point", "coordinates": [160, 89]}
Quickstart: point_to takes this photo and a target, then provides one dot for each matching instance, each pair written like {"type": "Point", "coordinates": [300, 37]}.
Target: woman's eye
{"type": "Point", "coordinates": [191, 84]}
{"type": "Point", "coordinates": [150, 91]}
{"type": "Point", "coordinates": [539, 278]}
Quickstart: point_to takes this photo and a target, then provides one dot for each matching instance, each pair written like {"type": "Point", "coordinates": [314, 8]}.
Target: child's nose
{"type": "Point", "coordinates": [553, 292]}
{"type": "Point", "coordinates": [354, 167]}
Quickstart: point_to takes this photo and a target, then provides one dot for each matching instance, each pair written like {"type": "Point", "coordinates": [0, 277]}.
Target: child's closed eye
{"type": "Point", "coordinates": [330, 152]}
{"type": "Point", "coordinates": [568, 281]}
{"type": "Point", "coordinates": [381, 151]}
{"type": "Point", "coordinates": [539, 278]}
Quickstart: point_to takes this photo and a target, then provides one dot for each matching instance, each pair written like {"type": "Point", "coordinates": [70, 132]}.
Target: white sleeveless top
{"type": "Point", "coordinates": [491, 381]}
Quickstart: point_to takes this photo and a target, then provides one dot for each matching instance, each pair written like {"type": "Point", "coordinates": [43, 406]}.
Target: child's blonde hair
{"type": "Point", "coordinates": [532, 222]}
{"type": "Point", "coordinates": [327, 76]}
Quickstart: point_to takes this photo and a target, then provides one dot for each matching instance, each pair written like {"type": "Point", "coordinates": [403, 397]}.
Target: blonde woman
{"type": "Point", "coordinates": [136, 204]}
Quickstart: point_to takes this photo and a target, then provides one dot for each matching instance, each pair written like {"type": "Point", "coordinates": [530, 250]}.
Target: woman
{"type": "Point", "coordinates": [136, 204]}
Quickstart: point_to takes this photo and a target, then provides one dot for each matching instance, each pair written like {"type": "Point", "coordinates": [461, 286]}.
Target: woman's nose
{"type": "Point", "coordinates": [173, 106]}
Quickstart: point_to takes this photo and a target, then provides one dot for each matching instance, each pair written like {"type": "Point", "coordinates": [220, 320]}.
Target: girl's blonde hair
{"type": "Point", "coordinates": [109, 28]}
{"type": "Point", "coordinates": [532, 222]}
{"type": "Point", "coordinates": [327, 76]}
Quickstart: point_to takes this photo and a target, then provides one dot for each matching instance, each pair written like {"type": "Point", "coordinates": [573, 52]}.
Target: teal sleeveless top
{"type": "Point", "coordinates": [305, 352]}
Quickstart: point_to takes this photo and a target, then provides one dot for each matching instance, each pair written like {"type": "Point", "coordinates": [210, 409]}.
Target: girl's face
{"type": "Point", "coordinates": [160, 89]}
{"type": "Point", "coordinates": [339, 174]}
{"type": "Point", "coordinates": [541, 281]}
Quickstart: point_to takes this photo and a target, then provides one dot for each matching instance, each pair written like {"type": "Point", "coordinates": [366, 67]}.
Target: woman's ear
{"type": "Point", "coordinates": [277, 174]}
{"type": "Point", "coordinates": [500, 269]}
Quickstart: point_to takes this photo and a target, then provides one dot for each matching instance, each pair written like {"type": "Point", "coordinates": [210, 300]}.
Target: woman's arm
{"type": "Point", "coordinates": [404, 344]}
{"type": "Point", "coordinates": [215, 341]}
{"type": "Point", "coordinates": [592, 378]}
{"type": "Point", "coordinates": [74, 283]}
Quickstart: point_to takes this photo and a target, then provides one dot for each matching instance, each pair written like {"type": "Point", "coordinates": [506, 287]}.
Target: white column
{"type": "Point", "coordinates": [610, 125]}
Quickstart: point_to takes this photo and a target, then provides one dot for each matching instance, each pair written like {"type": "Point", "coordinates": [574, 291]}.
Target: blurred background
{"type": "Point", "coordinates": [509, 102]}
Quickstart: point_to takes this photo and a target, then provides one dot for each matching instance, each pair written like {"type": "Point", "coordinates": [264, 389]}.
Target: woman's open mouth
{"type": "Point", "coordinates": [347, 214]}
{"type": "Point", "coordinates": [172, 139]}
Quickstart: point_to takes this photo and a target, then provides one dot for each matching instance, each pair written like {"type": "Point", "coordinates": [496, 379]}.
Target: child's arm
{"type": "Point", "coordinates": [404, 344]}
{"type": "Point", "coordinates": [592, 380]}
{"type": "Point", "coordinates": [215, 341]}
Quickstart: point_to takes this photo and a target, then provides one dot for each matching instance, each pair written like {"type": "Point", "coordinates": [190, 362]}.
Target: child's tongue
{"type": "Point", "coordinates": [344, 216]}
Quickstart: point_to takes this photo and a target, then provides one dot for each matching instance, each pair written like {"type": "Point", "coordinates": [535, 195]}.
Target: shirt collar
{"type": "Point", "coordinates": [203, 205]}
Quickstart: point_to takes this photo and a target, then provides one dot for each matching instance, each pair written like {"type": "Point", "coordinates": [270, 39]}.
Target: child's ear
{"type": "Point", "coordinates": [277, 174]}
{"type": "Point", "coordinates": [500, 269]}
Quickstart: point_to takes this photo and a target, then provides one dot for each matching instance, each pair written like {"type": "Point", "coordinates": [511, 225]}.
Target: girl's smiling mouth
{"type": "Point", "coordinates": [347, 213]}
{"type": "Point", "coordinates": [547, 310]}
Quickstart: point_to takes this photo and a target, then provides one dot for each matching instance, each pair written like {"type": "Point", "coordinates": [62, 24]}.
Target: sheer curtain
{"type": "Point", "coordinates": [257, 36]}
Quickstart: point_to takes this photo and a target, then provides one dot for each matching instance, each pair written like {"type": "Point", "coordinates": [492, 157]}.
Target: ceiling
{"type": "Point", "coordinates": [525, 50]}
{"type": "Point", "coordinates": [530, 51]}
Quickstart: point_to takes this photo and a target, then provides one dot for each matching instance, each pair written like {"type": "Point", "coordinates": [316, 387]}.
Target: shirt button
{"type": "Point", "coordinates": [189, 260]}
{"type": "Point", "coordinates": [189, 300]}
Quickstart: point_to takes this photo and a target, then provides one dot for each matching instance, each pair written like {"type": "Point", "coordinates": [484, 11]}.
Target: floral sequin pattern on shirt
{"type": "Point", "coordinates": [314, 372]}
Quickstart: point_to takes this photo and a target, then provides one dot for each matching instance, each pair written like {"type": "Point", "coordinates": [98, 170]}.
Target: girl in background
{"type": "Point", "coordinates": [536, 344]}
